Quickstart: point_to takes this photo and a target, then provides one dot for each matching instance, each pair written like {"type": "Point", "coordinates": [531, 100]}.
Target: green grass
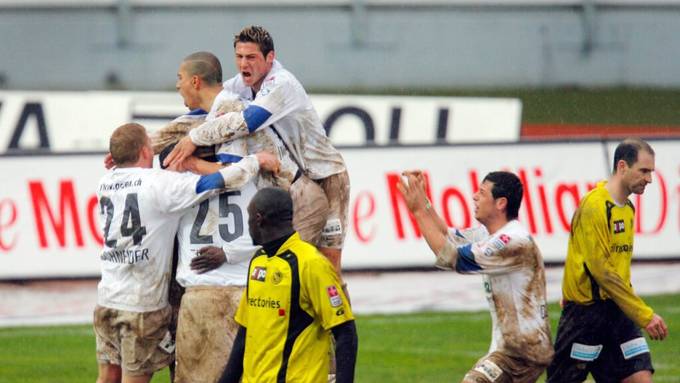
{"type": "Point", "coordinates": [425, 347]}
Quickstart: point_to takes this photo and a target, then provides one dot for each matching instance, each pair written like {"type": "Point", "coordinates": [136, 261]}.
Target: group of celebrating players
{"type": "Point", "coordinates": [253, 204]}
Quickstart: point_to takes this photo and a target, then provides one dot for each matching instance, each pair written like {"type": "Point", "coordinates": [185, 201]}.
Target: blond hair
{"type": "Point", "coordinates": [126, 142]}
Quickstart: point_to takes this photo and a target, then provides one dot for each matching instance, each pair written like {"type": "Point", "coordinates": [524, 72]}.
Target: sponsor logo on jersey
{"type": "Point", "coordinates": [120, 185]}
{"type": "Point", "coordinates": [616, 248]}
{"type": "Point", "coordinates": [504, 238]}
{"type": "Point", "coordinates": [258, 274]}
{"type": "Point", "coordinates": [334, 296]}
{"type": "Point", "coordinates": [267, 303]}
{"type": "Point", "coordinates": [619, 227]}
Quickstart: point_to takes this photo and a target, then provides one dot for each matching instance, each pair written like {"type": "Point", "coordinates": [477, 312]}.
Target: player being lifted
{"type": "Point", "coordinates": [502, 250]}
{"type": "Point", "coordinates": [278, 101]}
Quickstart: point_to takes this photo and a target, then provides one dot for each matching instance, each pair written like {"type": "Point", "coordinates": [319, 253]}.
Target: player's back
{"type": "Point", "coordinates": [139, 215]}
{"type": "Point", "coordinates": [222, 221]}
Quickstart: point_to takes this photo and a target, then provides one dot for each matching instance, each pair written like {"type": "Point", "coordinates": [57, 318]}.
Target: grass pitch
{"type": "Point", "coordinates": [424, 347]}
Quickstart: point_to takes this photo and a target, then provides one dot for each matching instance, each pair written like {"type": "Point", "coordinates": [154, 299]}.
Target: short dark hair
{"type": "Point", "coordinates": [628, 151]}
{"type": "Point", "coordinates": [126, 142]}
{"type": "Point", "coordinates": [206, 66]}
{"type": "Point", "coordinates": [508, 185]}
{"type": "Point", "coordinates": [275, 205]}
{"type": "Point", "coordinates": [258, 35]}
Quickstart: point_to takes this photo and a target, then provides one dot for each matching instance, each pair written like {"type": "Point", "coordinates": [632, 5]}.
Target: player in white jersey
{"type": "Point", "coordinates": [503, 251]}
{"type": "Point", "coordinates": [140, 211]}
{"type": "Point", "coordinates": [279, 102]}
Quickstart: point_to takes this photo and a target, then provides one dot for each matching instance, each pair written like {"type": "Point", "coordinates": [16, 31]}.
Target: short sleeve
{"type": "Point", "coordinates": [323, 290]}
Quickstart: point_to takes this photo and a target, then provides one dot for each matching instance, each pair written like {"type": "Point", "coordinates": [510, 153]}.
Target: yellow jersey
{"type": "Point", "coordinates": [599, 255]}
{"type": "Point", "coordinates": [291, 302]}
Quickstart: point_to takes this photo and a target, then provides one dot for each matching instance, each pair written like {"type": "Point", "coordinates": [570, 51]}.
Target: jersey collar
{"type": "Point", "coordinates": [289, 243]}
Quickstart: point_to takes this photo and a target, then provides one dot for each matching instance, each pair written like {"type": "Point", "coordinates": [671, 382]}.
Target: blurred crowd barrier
{"type": "Point", "coordinates": [83, 121]}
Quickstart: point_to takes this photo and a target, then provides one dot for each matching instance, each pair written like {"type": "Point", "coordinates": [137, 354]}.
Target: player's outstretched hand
{"type": "Point", "coordinates": [208, 258]}
{"type": "Point", "coordinates": [108, 161]}
{"type": "Point", "coordinates": [183, 149]}
{"type": "Point", "coordinates": [268, 162]}
{"type": "Point", "coordinates": [657, 328]}
{"type": "Point", "coordinates": [412, 187]}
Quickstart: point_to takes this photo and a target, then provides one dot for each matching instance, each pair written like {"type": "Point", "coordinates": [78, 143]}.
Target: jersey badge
{"type": "Point", "coordinates": [334, 296]}
{"type": "Point", "coordinates": [504, 238]}
{"type": "Point", "coordinates": [277, 277]}
{"type": "Point", "coordinates": [258, 274]}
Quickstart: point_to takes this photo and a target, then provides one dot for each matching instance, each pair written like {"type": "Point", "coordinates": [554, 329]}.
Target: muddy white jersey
{"type": "Point", "coordinates": [220, 221]}
{"type": "Point", "coordinates": [140, 211]}
{"type": "Point", "coordinates": [282, 104]}
{"type": "Point", "coordinates": [514, 283]}
{"type": "Point", "coordinates": [265, 139]}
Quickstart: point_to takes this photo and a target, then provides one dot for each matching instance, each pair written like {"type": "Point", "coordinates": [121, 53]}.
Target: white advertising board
{"type": "Point", "coordinates": [48, 208]}
{"type": "Point", "coordinates": [83, 121]}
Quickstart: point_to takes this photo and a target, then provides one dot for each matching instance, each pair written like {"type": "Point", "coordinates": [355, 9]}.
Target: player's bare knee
{"type": "Point", "coordinates": [644, 376]}
{"type": "Point", "coordinates": [109, 373]}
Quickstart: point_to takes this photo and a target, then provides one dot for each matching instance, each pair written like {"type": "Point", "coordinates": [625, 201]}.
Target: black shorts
{"type": "Point", "coordinates": [599, 339]}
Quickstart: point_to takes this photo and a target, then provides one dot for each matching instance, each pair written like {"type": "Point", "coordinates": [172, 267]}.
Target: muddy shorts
{"type": "Point", "coordinates": [205, 332]}
{"type": "Point", "coordinates": [599, 339]}
{"type": "Point", "coordinates": [320, 209]}
{"type": "Point", "coordinates": [497, 367]}
{"type": "Point", "coordinates": [139, 343]}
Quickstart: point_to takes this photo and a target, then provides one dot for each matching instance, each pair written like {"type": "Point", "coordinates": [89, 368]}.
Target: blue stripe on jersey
{"type": "Point", "coordinates": [211, 181]}
{"type": "Point", "coordinates": [255, 116]}
{"type": "Point", "coordinates": [197, 112]}
{"type": "Point", "coordinates": [228, 158]}
{"type": "Point", "coordinates": [466, 260]}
